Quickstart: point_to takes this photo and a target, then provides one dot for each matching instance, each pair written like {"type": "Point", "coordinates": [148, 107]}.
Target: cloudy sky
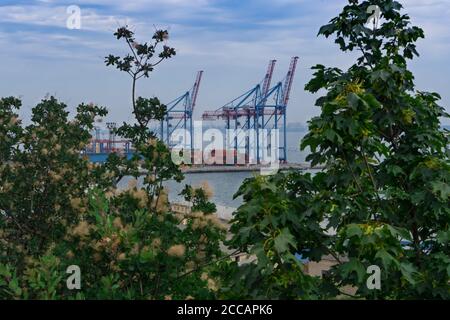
{"type": "Point", "coordinates": [231, 40]}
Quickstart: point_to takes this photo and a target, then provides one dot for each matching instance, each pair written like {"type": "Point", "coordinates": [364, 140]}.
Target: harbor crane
{"type": "Point", "coordinates": [179, 113]}
{"type": "Point", "coordinates": [261, 108]}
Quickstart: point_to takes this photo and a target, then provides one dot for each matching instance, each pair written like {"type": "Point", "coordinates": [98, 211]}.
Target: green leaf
{"type": "Point", "coordinates": [284, 240]}
{"type": "Point", "coordinates": [443, 237]}
{"type": "Point", "coordinates": [353, 230]}
{"type": "Point", "coordinates": [395, 170]}
{"type": "Point", "coordinates": [372, 101]}
{"type": "Point", "coordinates": [442, 189]}
{"type": "Point", "coordinates": [146, 256]}
{"type": "Point", "coordinates": [408, 271]}
{"type": "Point", "coordinates": [380, 74]}
{"type": "Point", "coordinates": [403, 233]}
{"type": "Point", "coordinates": [386, 258]}
{"type": "Point", "coordinates": [14, 286]}
{"type": "Point", "coordinates": [327, 29]}
{"type": "Point", "coordinates": [262, 259]}
{"type": "Point", "coordinates": [353, 100]}
{"type": "Point", "coordinates": [353, 266]}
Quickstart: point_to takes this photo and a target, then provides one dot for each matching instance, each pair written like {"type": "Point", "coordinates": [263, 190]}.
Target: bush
{"type": "Point", "coordinates": [58, 210]}
{"type": "Point", "coordinates": [383, 196]}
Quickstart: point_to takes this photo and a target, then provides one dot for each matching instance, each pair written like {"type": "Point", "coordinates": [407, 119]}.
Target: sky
{"type": "Point", "coordinates": [231, 40]}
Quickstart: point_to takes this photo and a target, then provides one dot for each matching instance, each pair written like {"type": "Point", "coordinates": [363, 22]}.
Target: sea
{"type": "Point", "coordinates": [225, 184]}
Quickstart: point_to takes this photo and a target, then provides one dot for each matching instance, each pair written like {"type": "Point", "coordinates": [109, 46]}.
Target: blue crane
{"type": "Point", "coordinates": [179, 113]}
{"type": "Point", "coordinates": [260, 108]}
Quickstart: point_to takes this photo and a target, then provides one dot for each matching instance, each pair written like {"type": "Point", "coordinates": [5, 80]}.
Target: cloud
{"type": "Point", "coordinates": [57, 17]}
{"type": "Point", "coordinates": [231, 40]}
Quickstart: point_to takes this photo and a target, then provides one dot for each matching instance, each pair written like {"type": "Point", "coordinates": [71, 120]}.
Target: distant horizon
{"type": "Point", "coordinates": [291, 126]}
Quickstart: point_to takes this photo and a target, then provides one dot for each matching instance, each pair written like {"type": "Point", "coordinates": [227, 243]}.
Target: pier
{"type": "Point", "coordinates": [199, 169]}
{"type": "Point", "coordinates": [246, 168]}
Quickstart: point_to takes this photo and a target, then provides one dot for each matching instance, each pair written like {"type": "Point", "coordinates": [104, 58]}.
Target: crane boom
{"type": "Point", "coordinates": [195, 90]}
{"type": "Point", "coordinates": [289, 80]}
{"type": "Point", "coordinates": [268, 78]}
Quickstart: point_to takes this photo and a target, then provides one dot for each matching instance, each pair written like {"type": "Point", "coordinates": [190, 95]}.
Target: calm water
{"type": "Point", "coordinates": [225, 185]}
{"type": "Point", "coordinates": [293, 147]}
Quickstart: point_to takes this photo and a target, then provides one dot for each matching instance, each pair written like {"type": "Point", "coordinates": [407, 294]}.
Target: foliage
{"type": "Point", "coordinates": [383, 197]}
{"type": "Point", "coordinates": [124, 254]}
{"type": "Point", "coordinates": [43, 176]}
{"type": "Point", "coordinates": [57, 209]}
{"type": "Point", "coordinates": [199, 198]}
{"type": "Point", "coordinates": [266, 227]}
{"type": "Point", "coordinates": [138, 64]}
{"type": "Point", "coordinates": [152, 156]}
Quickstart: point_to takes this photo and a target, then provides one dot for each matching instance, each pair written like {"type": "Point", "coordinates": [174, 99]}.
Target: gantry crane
{"type": "Point", "coordinates": [272, 113]}
{"type": "Point", "coordinates": [179, 114]}
{"type": "Point", "coordinates": [261, 108]}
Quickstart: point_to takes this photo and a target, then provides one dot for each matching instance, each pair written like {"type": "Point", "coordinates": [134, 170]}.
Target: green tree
{"type": "Point", "coordinates": [57, 209]}
{"type": "Point", "coordinates": [151, 154]}
{"type": "Point", "coordinates": [43, 177]}
{"type": "Point", "coordinates": [267, 226]}
{"type": "Point", "coordinates": [383, 197]}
